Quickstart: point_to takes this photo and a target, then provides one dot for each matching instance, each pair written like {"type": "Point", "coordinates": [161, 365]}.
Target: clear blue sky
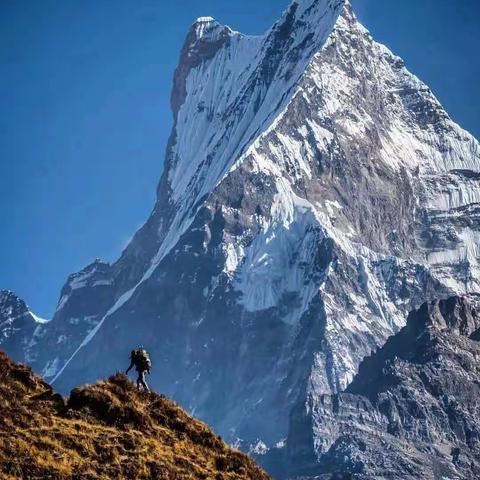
{"type": "Point", "coordinates": [84, 113]}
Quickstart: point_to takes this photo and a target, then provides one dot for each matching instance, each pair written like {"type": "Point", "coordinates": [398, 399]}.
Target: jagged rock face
{"type": "Point", "coordinates": [20, 329]}
{"type": "Point", "coordinates": [314, 193]}
{"type": "Point", "coordinates": [411, 411]}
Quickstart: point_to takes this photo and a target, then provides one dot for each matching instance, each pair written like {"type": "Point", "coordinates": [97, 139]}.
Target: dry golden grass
{"type": "Point", "coordinates": [103, 432]}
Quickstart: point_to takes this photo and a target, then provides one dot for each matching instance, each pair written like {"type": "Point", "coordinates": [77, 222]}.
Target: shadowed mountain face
{"type": "Point", "coordinates": [315, 192]}
{"type": "Point", "coordinates": [108, 430]}
{"type": "Point", "coordinates": [411, 411]}
{"type": "Point", "coordinates": [20, 329]}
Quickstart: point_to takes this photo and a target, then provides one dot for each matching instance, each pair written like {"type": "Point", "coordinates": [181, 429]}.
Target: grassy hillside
{"type": "Point", "coordinates": [106, 431]}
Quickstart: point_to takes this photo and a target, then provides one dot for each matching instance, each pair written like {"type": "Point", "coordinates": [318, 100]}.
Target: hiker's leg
{"type": "Point", "coordinates": [143, 382]}
{"type": "Point", "coordinates": [139, 380]}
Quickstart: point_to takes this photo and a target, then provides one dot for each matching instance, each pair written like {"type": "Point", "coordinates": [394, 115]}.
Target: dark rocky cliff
{"type": "Point", "coordinates": [411, 411]}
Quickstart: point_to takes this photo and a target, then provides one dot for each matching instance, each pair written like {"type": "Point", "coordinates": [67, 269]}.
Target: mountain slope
{"type": "Point", "coordinates": [314, 193]}
{"type": "Point", "coordinates": [411, 412]}
{"type": "Point", "coordinates": [107, 430]}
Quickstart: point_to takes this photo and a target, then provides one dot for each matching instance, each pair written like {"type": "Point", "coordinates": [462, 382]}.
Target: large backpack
{"type": "Point", "coordinates": [143, 359]}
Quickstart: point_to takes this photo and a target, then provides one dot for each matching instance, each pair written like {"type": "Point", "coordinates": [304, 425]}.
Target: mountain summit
{"type": "Point", "coordinates": [314, 193]}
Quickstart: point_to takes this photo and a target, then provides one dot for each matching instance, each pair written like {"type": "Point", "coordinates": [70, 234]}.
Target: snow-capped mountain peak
{"type": "Point", "coordinates": [315, 192]}
{"type": "Point", "coordinates": [207, 29]}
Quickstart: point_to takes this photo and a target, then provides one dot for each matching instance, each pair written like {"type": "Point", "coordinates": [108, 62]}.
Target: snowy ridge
{"type": "Point", "coordinates": [231, 85]}
{"type": "Point", "coordinates": [38, 319]}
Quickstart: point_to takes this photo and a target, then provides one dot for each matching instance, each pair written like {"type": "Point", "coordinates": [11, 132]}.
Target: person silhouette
{"type": "Point", "coordinates": [141, 361]}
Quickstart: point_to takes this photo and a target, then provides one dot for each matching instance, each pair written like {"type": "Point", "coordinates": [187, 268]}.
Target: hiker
{"type": "Point", "coordinates": [141, 361]}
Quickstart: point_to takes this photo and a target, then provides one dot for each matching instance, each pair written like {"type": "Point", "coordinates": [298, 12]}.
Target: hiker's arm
{"type": "Point", "coordinates": [129, 368]}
